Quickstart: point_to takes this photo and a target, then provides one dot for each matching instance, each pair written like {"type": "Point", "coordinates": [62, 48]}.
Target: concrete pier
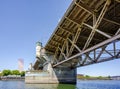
{"type": "Point", "coordinates": [56, 75]}
{"type": "Point", "coordinates": [43, 72]}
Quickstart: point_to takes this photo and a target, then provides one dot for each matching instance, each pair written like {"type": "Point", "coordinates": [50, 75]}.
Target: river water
{"type": "Point", "coordinates": [81, 84]}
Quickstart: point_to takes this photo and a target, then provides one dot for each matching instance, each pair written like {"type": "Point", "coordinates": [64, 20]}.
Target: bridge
{"type": "Point", "coordinates": [88, 33]}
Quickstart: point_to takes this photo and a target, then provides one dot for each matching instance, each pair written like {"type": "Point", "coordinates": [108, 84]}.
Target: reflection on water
{"type": "Point", "coordinates": [6, 84]}
{"type": "Point", "coordinates": [66, 86]}
{"type": "Point", "coordinates": [49, 86]}
{"type": "Point", "coordinates": [41, 86]}
{"type": "Point", "coordinates": [81, 84]}
{"type": "Point", "coordinates": [98, 84]}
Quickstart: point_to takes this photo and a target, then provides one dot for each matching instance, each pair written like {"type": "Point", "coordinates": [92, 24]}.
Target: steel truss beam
{"type": "Point", "coordinates": [65, 30]}
{"type": "Point", "coordinates": [73, 21]}
{"type": "Point", "coordinates": [99, 58]}
{"type": "Point", "coordinates": [96, 39]}
{"type": "Point", "coordinates": [107, 42]}
{"type": "Point", "coordinates": [53, 46]}
{"type": "Point", "coordinates": [79, 49]}
{"type": "Point", "coordinates": [102, 60]}
{"type": "Point", "coordinates": [59, 36]}
{"type": "Point", "coordinates": [91, 11]}
{"type": "Point", "coordinates": [118, 31]}
{"type": "Point", "coordinates": [56, 41]}
{"type": "Point", "coordinates": [101, 52]}
{"type": "Point", "coordinates": [67, 48]}
{"type": "Point", "coordinates": [118, 54]}
{"type": "Point", "coordinates": [97, 30]}
{"type": "Point", "coordinates": [98, 21]}
{"type": "Point", "coordinates": [63, 49]}
{"type": "Point", "coordinates": [117, 1]}
{"type": "Point", "coordinates": [73, 44]}
{"type": "Point", "coordinates": [74, 41]}
{"type": "Point", "coordinates": [113, 22]}
{"type": "Point", "coordinates": [55, 55]}
{"type": "Point", "coordinates": [84, 7]}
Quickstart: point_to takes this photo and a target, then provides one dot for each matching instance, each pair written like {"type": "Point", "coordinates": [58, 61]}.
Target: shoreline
{"type": "Point", "coordinates": [12, 78]}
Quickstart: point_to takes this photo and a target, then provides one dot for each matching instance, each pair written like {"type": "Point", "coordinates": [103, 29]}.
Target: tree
{"type": "Point", "coordinates": [6, 72]}
{"type": "Point", "coordinates": [22, 73]}
{"type": "Point", "coordinates": [87, 76]}
{"type": "Point", "coordinates": [109, 77]}
{"type": "Point", "coordinates": [15, 72]}
{"type": "Point", "coordinates": [100, 77]}
{"type": "Point", "coordinates": [1, 74]}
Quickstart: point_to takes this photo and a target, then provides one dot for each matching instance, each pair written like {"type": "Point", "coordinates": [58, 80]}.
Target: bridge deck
{"type": "Point", "coordinates": [78, 16]}
{"type": "Point", "coordinates": [85, 24]}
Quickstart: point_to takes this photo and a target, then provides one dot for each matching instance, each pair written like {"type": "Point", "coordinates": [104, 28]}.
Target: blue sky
{"type": "Point", "coordinates": [24, 22]}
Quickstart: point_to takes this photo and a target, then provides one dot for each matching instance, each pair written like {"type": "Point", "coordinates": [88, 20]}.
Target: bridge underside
{"type": "Point", "coordinates": [87, 33]}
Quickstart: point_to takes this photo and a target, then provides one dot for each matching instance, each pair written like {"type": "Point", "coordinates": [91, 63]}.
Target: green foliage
{"type": "Point", "coordinates": [15, 72]}
{"type": "Point", "coordinates": [1, 74]}
{"type": "Point", "coordinates": [12, 72]}
{"type": "Point", "coordinates": [22, 73]}
{"type": "Point", "coordinates": [6, 72]}
{"type": "Point", "coordinates": [93, 77]}
{"type": "Point", "coordinates": [87, 76]}
{"type": "Point", "coordinates": [100, 77]}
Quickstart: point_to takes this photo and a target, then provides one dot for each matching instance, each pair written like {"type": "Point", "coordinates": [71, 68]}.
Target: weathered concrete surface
{"type": "Point", "coordinates": [56, 75]}
{"type": "Point", "coordinates": [40, 79]}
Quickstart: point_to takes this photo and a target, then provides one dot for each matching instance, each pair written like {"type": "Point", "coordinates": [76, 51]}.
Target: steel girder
{"type": "Point", "coordinates": [98, 53]}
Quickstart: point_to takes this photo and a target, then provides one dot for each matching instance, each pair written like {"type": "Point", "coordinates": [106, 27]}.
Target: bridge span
{"type": "Point", "coordinates": [88, 33]}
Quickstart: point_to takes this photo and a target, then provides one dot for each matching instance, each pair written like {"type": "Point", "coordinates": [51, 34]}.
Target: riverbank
{"type": "Point", "coordinates": [11, 78]}
{"type": "Point", "coordinates": [87, 77]}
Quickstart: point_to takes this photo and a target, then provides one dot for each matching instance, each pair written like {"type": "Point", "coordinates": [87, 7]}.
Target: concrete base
{"type": "Point", "coordinates": [56, 75]}
{"type": "Point", "coordinates": [48, 74]}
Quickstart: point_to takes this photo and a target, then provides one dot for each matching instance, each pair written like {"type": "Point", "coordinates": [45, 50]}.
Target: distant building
{"type": "Point", "coordinates": [20, 65]}
{"type": "Point", "coordinates": [115, 77]}
{"type": "Point", "coordinates": [82, 75]}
